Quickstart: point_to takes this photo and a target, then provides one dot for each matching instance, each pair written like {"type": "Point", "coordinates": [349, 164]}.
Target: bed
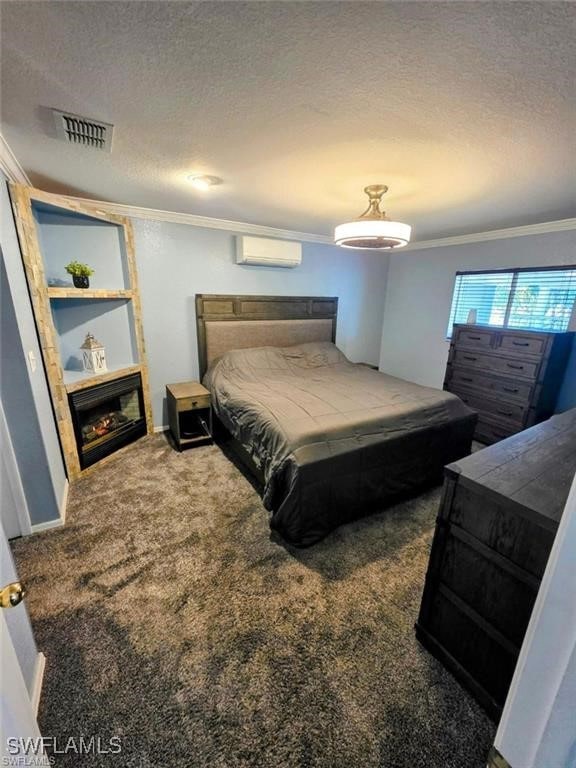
{"type": "Point", "coordinates": [330, 440]}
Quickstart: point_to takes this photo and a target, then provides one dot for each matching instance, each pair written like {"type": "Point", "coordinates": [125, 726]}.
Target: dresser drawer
{"type": "Point", "coordinates": [472, 339]}
{"type": "Point", "coordinates": [190, 403]}
{"type": "Point", "coordinates": [517, 343]}
{"type": "Point", "coordinates": [510, 390]}
{"type": "Point", "coordinates": [491, 430]}
{"type": "Point", "coordinates": [493, 363]}
{"type": "Point", "coordinates": [483, 658]}
{"type": "Point", "coordinates": [514, 412]}
{"type": "Point", "coordinates": [492, 590]}
{"type": "Point", "coordinates": [488, 520]}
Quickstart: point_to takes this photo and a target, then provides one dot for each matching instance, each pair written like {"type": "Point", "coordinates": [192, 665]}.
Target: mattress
{"type": "Point", "coordinates": [332, 438]}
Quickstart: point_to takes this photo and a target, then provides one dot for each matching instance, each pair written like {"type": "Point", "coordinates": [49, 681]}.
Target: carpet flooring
{"type": "Point", "coordinates": [171, 619]}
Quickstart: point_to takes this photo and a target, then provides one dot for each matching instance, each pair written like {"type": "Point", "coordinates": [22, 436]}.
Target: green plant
{"type": "Point", "coordinates": [80, 270]}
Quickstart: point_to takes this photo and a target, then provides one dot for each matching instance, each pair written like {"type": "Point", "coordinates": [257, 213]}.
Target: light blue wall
{"type": "Point", "coordinates": [65, 238]}
{"type": "Point", "coordinates": [109, 321]}
{"type": "Point", "coordinates": [419, 294]}
{"type": "Point", "coordinates": [28, 406]}
{"type": "Point", "coordinates": [21, 416]}
{"type": "Point", "coordinates": [176, 261]}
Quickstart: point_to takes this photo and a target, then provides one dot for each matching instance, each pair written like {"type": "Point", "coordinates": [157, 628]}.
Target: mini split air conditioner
{"type": "Point", "coordinates": [265, 252]}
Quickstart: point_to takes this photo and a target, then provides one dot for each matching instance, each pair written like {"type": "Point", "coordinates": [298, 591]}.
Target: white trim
{"type": "Point", "coordinates": [12, 168]}
{"type": "Point", "coordinates": [10, 165]}
{"type": "Point", "coordinates": [38, 680]}
{"type": "Point", "coordinates": [193, 220]}
{"type": "Point", "coordinates": [45, 526]}
{"type": "Point", "coordinates": [496, 234]}
{"type": "Point", "coordinates": [14, 478]}
{"type": "Point", "coordinates": [161, 429]}
{"type": "Point", "coordinates": [39, 527]}
{"type": "Point", "coordinates": [64, 501]}
{"type": "Point", "coordinates": [548, 646]}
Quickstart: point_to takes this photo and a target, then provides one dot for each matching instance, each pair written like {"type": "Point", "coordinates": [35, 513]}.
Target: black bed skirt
{"type": "Point", "coordinates": [312, 500]}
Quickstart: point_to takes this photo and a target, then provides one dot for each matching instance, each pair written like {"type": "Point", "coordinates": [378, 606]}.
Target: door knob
{"type": "Point", "coordinates": [12, 595]}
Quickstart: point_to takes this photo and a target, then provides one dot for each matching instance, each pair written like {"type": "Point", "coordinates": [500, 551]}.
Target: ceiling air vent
{"type": "Point", "coordinates": [83, 131]}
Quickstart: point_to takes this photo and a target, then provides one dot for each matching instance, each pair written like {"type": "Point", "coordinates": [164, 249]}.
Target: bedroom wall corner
{"type": "Point", "coordinates": [419, 293]}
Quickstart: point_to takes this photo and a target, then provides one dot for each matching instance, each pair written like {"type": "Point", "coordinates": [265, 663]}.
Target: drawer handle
{"type": "Point", "coordinates": [194, 402]}
{"type": "Point", "coordinates": [469, 357]}
{"type": "Point", "coordinates": [516, 367]}
{"type": "Point", "coordinates": [505, 413]}
{"type": "Point", "coordinates": [521, 343]}
{"type": "Point", "coordinates": [465, 378]}
{"type": "Point", "coordinates": [513, 390]}
{"type": "Point", "coordinates": [475, 338]}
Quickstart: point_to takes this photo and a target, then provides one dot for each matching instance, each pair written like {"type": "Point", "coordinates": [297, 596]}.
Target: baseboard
{"type": "Point", "coordinates": [161, 429]}
{"type": "Point", "coordinates": [39, 527]}
{"type": "Point", "coordinates": [496, 760]}
{"type": "Point", "coordinates": [38, 680]}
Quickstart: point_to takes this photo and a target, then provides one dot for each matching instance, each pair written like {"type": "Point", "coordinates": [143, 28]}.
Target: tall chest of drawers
{"type": "Point", "coordinates": [498, 517]}
{"type": "Point", "coordinates": [512, 378]}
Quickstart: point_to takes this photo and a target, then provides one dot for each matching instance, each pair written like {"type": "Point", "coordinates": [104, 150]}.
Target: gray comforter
{"type": "Point", "coordinates": [332, 438]}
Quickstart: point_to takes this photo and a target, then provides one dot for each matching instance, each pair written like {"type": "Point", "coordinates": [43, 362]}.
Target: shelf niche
{"type": "Point", "coordinates": [66, 236]}
{"type": "Point", "coordinates": [110, 321]}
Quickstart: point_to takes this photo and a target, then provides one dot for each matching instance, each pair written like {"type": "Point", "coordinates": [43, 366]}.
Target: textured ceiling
{"type": "Point", "coordinates": [466, 110]}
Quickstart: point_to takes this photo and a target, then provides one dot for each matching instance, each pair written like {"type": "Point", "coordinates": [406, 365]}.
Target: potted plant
{"type": "Point", "coordinates": [80, 274]}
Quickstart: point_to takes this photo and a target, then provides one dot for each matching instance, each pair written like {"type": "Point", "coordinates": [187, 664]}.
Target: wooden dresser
{"type": "Point", "coordinates": [512, 378]}
{"type": "Point", "coordinates": [499, 513]}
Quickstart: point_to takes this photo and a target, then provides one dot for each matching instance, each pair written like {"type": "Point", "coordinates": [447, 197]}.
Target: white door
{"type": "Point", "coordinates": [21, 668]}
{"type": "Point", "coordinates": [17, 716]}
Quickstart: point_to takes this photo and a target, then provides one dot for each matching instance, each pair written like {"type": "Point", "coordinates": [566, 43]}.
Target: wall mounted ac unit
{"type": "Point", "coordinates": [266, 252]}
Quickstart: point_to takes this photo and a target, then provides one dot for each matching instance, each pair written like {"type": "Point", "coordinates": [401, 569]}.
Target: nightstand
{"type": "Point", "coordinates": [189, 414]}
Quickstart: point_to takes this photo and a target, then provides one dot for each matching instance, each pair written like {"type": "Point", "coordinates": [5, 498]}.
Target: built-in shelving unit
{"type": "Point", "coordinates": [54, 231]}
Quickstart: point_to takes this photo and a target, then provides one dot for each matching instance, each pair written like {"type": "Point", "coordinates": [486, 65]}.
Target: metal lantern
{"type": "Point", "coordinates": [93, 355]}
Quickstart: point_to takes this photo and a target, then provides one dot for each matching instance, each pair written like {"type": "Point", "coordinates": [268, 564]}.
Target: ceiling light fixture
{"type": "Point", "coordinates": [373, 229]}
{"type": "Point", "coordinates": [204, 182]}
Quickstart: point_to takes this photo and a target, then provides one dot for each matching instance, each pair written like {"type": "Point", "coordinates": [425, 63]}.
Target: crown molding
{"type": "Point", "coordinates": [207, 222]}
{"type": "Point", "coordinates": [10, 165]}
{"type": "Point", "coordinates": [544, 228]}
{"type": "Point", "coordinates": [244, 228]}
{"type": "Point", "coordinates": [14, 171]}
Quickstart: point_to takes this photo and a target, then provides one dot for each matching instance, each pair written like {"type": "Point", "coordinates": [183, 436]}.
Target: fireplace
{"type": "Point", "coordinates": [107, 417]}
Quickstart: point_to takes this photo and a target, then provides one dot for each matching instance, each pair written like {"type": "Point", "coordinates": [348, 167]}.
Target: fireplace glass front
{"type": "Point", "coordinates": [107, 417]}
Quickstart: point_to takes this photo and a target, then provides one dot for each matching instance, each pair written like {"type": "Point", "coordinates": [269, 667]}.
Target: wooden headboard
{"type": "Point", "coordinates": [239, 322]}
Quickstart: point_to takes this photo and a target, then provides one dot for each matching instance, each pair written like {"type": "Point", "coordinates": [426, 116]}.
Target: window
{"type": "Point", "coordinates": [532, 299]}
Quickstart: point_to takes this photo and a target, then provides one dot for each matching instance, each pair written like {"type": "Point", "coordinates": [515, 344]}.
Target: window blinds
{"type": "Point", "coordinates": [532, 299]}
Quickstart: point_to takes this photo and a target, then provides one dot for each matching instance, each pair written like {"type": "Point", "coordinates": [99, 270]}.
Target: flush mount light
{"type": "Point", "coordinates": [373, 229]}
{"type": "Point", "coordinates": [204, 182]}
